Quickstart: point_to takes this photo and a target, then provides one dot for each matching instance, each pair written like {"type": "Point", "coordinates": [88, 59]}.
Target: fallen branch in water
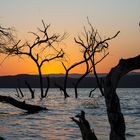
{"type": "Point", "coordinates": [21, 105]}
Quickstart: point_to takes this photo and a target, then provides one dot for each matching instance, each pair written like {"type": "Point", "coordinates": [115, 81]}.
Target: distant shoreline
{"type": "Point", "coordinates": [131, 80]}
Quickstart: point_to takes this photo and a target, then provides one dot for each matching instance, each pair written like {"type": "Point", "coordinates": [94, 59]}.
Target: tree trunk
{"type": "Point", "coordinates": [78, 82]}
{"type": "Point", "coordinates": [96, 76]}
{"type": "Point", "coordinates": [86, 131]}
{"type": "Point", "coordinates": [48, 86]}
{"type": "Point", "coordinates": [115, 115]}
{"type": "Point", "coordinates": [21, 105]}
{"type": "Point", "coordinates": [30, 89]}
{"type": "Point", "coordinates": [41, 82]}
{"type": "Point", "coordinates": [65, 85]}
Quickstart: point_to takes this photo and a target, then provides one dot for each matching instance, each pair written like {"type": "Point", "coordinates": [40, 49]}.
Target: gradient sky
{"type": "Point", "coordinates": [108, 16]}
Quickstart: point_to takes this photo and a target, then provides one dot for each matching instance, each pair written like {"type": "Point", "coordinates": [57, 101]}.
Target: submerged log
{"type": "Point", "coordinates": [21, 105]}
{"type": "Point", "coordinates": [115, 115]}
{"type": "Point", "coordinates": [86, 131]}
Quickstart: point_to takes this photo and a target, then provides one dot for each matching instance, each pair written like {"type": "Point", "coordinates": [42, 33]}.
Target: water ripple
{"type": "Point", "coordinates": [55, 124]}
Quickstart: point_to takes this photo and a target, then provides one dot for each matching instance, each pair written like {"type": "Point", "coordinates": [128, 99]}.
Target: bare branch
{"type": "Point", "coordinates": [91, 44]}
{"type": "Point", "coordinates": [102, 58]}
{"type": "Point", "coordinates": [37, 49]}
{"type": "Point", "coordinates": [92, 91]}
{"type": "Point", "coordinates": [59, 55]}
{"type": "Point", "coordinates": [64, 66]}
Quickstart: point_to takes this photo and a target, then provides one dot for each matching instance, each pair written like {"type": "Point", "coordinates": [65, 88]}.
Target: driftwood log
{"type": "Point", "coordinates": [21, 105]}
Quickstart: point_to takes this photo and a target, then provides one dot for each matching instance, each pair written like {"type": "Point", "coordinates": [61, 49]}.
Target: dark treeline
{"type": "Point", "coordinates": [128, 81]}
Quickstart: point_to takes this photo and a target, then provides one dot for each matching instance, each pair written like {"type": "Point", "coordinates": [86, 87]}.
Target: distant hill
{"type": "Point", "coordinates": [131, 80]}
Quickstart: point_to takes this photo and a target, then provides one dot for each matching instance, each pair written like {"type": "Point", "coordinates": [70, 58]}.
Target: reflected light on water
{"type": "Point", "coordinates": [55, 124]}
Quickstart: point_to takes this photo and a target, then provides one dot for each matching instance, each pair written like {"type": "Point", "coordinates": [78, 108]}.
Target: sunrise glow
{"type": "Point", "coordinates": [107, 17]}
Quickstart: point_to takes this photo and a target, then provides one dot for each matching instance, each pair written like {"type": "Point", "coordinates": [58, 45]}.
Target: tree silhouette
{"type": "Point", "coordinates": [8, 46]}
{"type": "Point", "coordinates": [91, 45]}
{"type": "Point", "coordinates": [86, 131]}
{"type": "Point", "coordinates": [37, 51]}
{"type": "Point", "coordinates": [115, 116]}
{"type": "Point", "coordinates": [112, 101]}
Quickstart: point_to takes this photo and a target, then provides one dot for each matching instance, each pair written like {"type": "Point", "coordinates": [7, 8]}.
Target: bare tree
{"type": "Point", "coordinates": [115, 116]}
{"type": "Point", "coordinates": [8, 47]}
{"type": "Point", "coordinates": [91, 45]}
{"type": "Point", "coordinates": [37, 50]}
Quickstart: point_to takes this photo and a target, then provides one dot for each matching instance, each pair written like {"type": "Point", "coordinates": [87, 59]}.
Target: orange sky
{"type": "Point", "coordinates": [70, 16]}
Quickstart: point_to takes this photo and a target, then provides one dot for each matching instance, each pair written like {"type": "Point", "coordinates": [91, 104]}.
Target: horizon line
{"type": "Point", "coordinates": [59, 74]}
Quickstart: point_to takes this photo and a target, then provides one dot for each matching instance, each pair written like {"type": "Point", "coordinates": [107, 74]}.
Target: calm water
{"type": "Point", "coordinates": [55, 124]}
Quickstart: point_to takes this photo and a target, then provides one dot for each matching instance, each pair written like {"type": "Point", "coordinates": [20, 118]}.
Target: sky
{"type": "Point", "coordinates": [107, 16]}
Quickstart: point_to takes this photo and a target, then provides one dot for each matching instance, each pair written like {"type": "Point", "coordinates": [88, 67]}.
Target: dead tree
{"type": "Point", "coordinates": [86, 131]}
{"type": "Point", "coordinates": [37, 50]}
{"type": "Point", "coordinates": [87, 71]}
{"type": "Point", "coordinates": [9, 47]}
{"type": "Point", "coordinates": [92, 45]}
{"type": "Point", "coordinates": [67, 70]}
{"type": "Point", "coordinates": [115, 116]}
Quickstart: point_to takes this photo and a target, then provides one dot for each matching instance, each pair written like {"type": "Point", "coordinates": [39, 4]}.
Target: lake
{"type": "Point", "coordinates": [55, 124]}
